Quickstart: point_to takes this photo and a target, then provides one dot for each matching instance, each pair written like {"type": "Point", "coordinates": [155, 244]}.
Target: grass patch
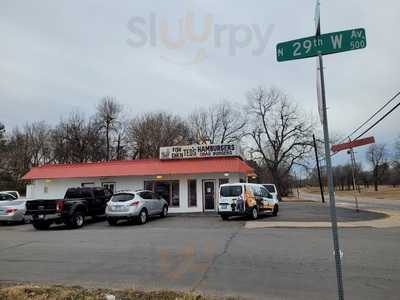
{"type": "Point", "coordinates": [384, 192]}
{"type": "Point", "coordinates": [56, 292]}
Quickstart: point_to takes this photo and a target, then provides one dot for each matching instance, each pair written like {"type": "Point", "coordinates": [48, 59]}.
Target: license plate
{"type": "Point", "coordinates": [224, 206]}
{"type": "Point", "coordinates": [118, 208]}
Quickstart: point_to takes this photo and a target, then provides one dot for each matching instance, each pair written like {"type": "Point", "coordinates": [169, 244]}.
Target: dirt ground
{"type": "Point", "coordinates": [36, 292]}
{"type": "Point", "coordinates": [384, 192]}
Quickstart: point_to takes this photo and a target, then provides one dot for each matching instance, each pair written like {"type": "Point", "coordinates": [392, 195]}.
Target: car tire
{"type": "Point", "coordinates": [77, 220]}
{"type": "Point", "coordinates": [224, 217]}
{"type": "Point", "coordinates": [275, 210]}
{"type": "Point", "coordinates": [164, 212]}
{"type": "Point", "coordinates": [41, 225]}
{"type": "Point", "coordinates": [112, 222]}
{"type": "Point", "coordinates": [142, 217]}
{"type": "Point", "coordinates": [254, 213]}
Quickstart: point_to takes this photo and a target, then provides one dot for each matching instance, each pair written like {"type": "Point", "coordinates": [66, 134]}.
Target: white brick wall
{"type": "Point", "coordinates": [50, 189]}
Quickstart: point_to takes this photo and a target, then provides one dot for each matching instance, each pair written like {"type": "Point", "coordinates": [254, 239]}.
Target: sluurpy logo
{"type": "Point", "coordinates": [154, 31]}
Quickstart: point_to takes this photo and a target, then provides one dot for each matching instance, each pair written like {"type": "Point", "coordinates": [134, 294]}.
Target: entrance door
{"type": "Point", "coordinates": [209, 194]}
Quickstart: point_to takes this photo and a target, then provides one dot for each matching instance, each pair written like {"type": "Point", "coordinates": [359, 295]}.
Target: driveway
{"type": "Point", "coordinates": [207, 254]}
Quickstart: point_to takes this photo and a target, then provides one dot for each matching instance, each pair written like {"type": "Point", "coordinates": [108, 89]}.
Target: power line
{"type": "Point", "coordinates": [373, 125]}
{"type": "Point", "coordinates": [377, 122]}
{"type": "Point", "coordinates": [370, 118]}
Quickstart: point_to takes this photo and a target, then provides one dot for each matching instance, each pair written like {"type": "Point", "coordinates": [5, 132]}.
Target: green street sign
{"type": "Point", "coordinates": [328, 43]}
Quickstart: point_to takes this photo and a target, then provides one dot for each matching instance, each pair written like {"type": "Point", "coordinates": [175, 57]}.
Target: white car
{"type": "Point", "coordinates": [272, 190]}
{"type": "Point", "coordinates": [13, 211]}
{"type": "Point", "coordinates": [135, 205]}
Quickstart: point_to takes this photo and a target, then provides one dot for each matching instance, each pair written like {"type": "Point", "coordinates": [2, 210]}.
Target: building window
{"type": "Point", "coordinates": [87, 184]}
{"type": "Point", "coordinates": [149, 185]}
{"type": "Point", "coordinates": [223, 180]}
{"type": "Point", "coordinates": [192, 193]}
{"type": "Point", "coordinates": [46, 189]}
{"type": "Point", "coordinates": [166, 189]}
{"type": "Point", "coordinates": [109, 185]}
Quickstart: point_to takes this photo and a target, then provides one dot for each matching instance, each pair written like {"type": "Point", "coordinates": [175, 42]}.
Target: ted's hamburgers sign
{"type": "Point", "coordinates": [199, 151]}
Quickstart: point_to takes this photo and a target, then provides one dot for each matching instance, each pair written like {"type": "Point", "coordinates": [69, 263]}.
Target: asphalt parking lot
{"type": "Point", "coordinates": [204, 253]}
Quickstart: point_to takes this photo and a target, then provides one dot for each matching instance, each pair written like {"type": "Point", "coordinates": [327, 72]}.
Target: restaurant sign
{"type": "Point", "coordinates": [199, 151]}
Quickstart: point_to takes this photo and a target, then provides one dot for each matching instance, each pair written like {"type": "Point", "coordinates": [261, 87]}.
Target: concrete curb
{"type": "Point", "coordinates": [392, 220]}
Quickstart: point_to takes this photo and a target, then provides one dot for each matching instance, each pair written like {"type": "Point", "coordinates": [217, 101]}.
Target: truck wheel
{"type": "Point", "coordinates": [164, 212]}
{"type": "Point", "coordinates": [112, 222]}
{"type": "Point", "coordinates": [275, 210]}
{"type": "Point", "coordinates": [254, 213]}
{"type": "Point", "coordinates": [142, 218]}
{"type": "Point", "coordinates": [41, 225]}
{"type": "Point", "coordinates": [77, 220]}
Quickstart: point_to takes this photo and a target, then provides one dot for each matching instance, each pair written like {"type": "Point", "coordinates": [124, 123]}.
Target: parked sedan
{"type": "Point", "coordinates": [13, 211]}
{"type": "Point", "coordinates": [135, 205]}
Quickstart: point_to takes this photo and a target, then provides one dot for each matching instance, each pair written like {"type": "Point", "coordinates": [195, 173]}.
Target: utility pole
{"type": "Point", "coordinates": [353, 171]}
{"type": "Point", "coordinates": [318, 169]}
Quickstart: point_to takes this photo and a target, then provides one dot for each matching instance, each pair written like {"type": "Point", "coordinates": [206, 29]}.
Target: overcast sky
{"type": "Point", "coordinates": [59, 56]}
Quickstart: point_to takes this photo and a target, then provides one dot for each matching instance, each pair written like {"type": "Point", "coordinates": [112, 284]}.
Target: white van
{"type": "Point", "coordinates": [237, 199]}
{"type": "Point", "coordinates": [272, 190]}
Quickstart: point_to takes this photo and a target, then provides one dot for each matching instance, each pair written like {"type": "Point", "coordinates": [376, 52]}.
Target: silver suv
{"type": "Point", "coordinates": [135, 205]}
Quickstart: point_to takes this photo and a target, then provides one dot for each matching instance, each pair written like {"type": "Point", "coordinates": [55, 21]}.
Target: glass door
{"type": "Point", "coordinates": [209, 194]}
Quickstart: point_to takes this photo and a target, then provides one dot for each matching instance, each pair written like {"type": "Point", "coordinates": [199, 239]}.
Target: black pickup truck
{"type": "Point", "coordinates": [78, 203]}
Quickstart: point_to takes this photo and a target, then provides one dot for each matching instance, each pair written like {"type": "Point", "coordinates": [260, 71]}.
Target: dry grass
{"type": "Point", "coordinates": [384, 192]}
{"type": "Point", "coordinates": [41, 292]}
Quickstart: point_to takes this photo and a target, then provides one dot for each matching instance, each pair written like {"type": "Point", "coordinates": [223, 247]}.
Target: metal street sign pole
{"type": "Point", "coordinates": [319, 170]}
{"type": "Point", "coordinates": [332, 204]}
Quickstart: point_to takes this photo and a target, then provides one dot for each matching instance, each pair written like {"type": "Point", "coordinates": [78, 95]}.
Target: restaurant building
{"type": "Point", "coordinates": [187, 177]}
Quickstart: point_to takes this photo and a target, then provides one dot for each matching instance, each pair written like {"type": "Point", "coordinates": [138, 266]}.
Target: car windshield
{"type": "Point", "coordinates": [122, 197]}
{"type": "Point", "coordinates": [231, 191]}
{"type": "Point", "coordinates": [270, 188]}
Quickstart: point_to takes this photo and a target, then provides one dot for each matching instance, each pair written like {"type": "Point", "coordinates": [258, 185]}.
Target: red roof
{"type": "Point", "coordinates": [145, 167]}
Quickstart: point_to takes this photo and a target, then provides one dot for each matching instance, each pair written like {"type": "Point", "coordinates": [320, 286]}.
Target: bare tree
{"type": "Point", "coordinates": [121, 140]}
{"type": "Point", "coordinates": [108, 112]}
{"type": "Point", "coordinates": [397, 151]}
{"type": "Point", "coordinates": [220, 123]}
{"type": "Point", "coordinates": [77, 140]}
{"type": "Point", "coordinates": [377, 157]}
{"type": "Point", "coordinates": [154, 130]}
{"type": "Point", "coordinates": [280, 135]}
{"type": "Point", "coordinates": [38, 140]}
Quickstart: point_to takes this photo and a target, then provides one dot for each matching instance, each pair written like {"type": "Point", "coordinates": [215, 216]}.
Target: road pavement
{"type": "Point", "coordinates": [206, 254]}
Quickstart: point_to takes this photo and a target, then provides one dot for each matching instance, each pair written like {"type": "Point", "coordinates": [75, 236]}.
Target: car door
{"type": "Point", "coordinates": [267, 199]}
{"type": "Point", "coordinates": [258, 197]}
{"type": "Point", "coordinates": [148, 201]}
{"type": "Point", "coordinates": [99, 202]}
{"type": "Point", "coordinates": [157, 205]}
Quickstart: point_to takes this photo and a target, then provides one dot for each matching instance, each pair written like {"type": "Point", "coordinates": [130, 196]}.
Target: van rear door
{"type": "Point", "coordinates": [229, 196]}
